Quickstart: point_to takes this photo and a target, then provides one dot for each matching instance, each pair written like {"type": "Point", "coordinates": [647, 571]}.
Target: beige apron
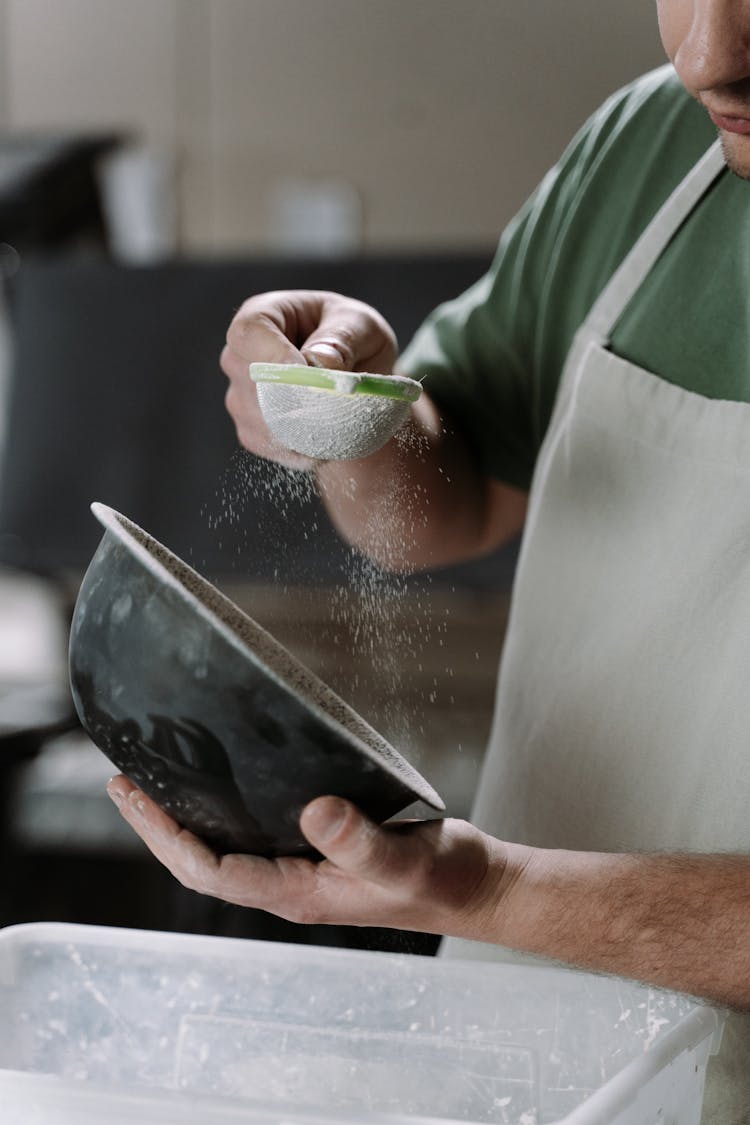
{"type": "Point", "coordinates": [623, 710]}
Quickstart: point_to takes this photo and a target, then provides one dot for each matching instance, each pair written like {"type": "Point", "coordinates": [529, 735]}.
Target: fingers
{"type": "Point", "coordinates": [265, 329]}
{"type": "Point", "coordinates": [282, 886]}
{"type": "Point", "coordinates": [292, 888]}
{"type": "Point", "coordinates": [188, 858]}
{"type": "Point", "coordinates": [258, 332]}
{"type": "Point", "coordinates": [308, 326]}
{"type": "Point", "coordinates": [336, 828]}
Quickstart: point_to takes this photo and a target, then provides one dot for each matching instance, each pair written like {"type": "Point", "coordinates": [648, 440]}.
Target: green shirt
{"type": "Point", "coordinates": [493, 358]}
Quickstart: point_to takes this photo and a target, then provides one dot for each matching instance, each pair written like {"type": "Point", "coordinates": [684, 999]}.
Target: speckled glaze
{"type": "Point", "coordinates": [207, 712]}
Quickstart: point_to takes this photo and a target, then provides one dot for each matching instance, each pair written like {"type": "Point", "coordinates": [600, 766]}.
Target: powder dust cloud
{"type": "Point", "coordinates": [378, 638]}
{"type": "Point", "coordinates": [361, 626]}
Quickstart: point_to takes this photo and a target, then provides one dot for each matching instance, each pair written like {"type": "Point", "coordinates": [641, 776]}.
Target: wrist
{"type": "Point", "coordinates": [491, 915]}
{"type": "Point", "coordinates": [561, 905]}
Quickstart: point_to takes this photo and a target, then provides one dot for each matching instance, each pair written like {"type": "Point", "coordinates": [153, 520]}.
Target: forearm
{"type": "Point", "coordinates": [421, 501]}
{"type": "Point", "coordinates": [676, 921]}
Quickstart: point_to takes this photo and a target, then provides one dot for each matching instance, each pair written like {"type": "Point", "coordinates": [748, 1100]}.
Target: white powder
{"type": "Point", "coordinates": [380, 621]}
{"type": "Point", "coordinates": [329, 426]}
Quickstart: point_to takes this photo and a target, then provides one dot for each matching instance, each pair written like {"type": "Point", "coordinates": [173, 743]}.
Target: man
{"type": "Point", "coordinates": [606, 355]}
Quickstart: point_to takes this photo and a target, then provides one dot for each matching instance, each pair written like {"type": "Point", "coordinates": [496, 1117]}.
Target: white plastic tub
{"type": "Point", "coordinates": [114, 1026]}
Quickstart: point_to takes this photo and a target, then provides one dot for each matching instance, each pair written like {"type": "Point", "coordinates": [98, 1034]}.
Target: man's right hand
{"type": "Point", "coordinates": [298, 326]}
{"type": "Point", "coordinates": [412, 504]}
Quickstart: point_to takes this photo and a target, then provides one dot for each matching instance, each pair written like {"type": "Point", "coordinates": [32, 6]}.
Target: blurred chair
{"type": "Point", "coordinates": [49, 195]}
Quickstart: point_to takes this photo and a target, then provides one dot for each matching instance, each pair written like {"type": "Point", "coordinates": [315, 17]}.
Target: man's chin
{"type": "Point", "coordinates": [736, 150]}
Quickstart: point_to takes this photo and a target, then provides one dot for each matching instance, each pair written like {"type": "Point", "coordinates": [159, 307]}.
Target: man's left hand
{"type": "Point", "coordinates": [438, 876]}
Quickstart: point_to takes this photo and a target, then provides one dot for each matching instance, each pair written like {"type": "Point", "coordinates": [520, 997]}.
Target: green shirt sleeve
{"type": "Point", "coordinates": [492, 358]}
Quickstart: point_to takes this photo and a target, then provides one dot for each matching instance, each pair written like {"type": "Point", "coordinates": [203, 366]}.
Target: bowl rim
{"type": "Point", "coordinates": [392, 761]}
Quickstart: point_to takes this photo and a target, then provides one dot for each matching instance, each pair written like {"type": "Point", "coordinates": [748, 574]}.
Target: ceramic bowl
{"type": "Point", "coordinates": [207, 713]}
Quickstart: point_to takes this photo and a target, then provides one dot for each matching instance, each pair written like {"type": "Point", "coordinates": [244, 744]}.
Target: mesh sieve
{"type": "Point", "coordinates": [332, 415]}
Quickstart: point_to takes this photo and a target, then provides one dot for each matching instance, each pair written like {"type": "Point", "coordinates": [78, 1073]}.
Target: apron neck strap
{"type": "Point", "coordinates": [628, 277]}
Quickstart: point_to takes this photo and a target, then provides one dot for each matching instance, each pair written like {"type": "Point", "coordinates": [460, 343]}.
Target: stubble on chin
{"type": "Point", "coordinates": [736, 151]}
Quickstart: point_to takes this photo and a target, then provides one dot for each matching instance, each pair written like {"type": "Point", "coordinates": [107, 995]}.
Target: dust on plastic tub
{"type": "Point", "coordinates": [120, 1025]}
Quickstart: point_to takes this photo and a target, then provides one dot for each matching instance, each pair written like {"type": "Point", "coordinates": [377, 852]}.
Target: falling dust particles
{"type": "Point", "coordinates": [378, 623]}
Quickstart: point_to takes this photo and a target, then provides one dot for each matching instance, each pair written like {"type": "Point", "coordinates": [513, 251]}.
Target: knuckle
{"type": "Point", "coordinates": [237, 336]}
{"type": "Point", "coordinates": [188, 880]}
{"type": "Point", "coordinates": [301, 913]}
{"type": "Point", "coordinates": [347, 336]}
{"type": "Point", "coordinates": [305, 909]}
{"type": "Point", "coordinates": [245, 322]}
{"type": "Point", "coordinates": [372, 851]}
{"type": "Point", "coordinates": [228, 361]}
{"type": "Point", "coordinates": [235, 401]}
{"type": "Point", "coordinates": [237, 327]}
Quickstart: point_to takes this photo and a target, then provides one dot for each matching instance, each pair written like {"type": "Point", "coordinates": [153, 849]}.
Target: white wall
{"type": "Point", "coordinates": [442, 113]}
{"type": "Point", "coordinates": [92, 63]}
{"type": "Point", "coordinates": [3, 66]}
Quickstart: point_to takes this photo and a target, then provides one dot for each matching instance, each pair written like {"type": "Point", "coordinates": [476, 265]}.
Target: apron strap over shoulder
{"type": "Point", "coordinates": [627, 278]}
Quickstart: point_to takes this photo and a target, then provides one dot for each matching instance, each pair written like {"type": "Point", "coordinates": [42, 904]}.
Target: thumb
{"type": "Point", "coordinates": [327, 353]}
{"type": "Point", "coordinates": [351, 336]}
{"type": "Point", "coordinates": [354, 843]}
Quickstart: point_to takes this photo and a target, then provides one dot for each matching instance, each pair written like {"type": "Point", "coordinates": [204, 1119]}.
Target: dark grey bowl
{"type": "Point", "coordinates": [207, 713]}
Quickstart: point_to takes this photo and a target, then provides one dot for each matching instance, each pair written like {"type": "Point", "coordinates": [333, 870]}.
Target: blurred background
{"type": "Point", "coordinates": [161, 160]}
